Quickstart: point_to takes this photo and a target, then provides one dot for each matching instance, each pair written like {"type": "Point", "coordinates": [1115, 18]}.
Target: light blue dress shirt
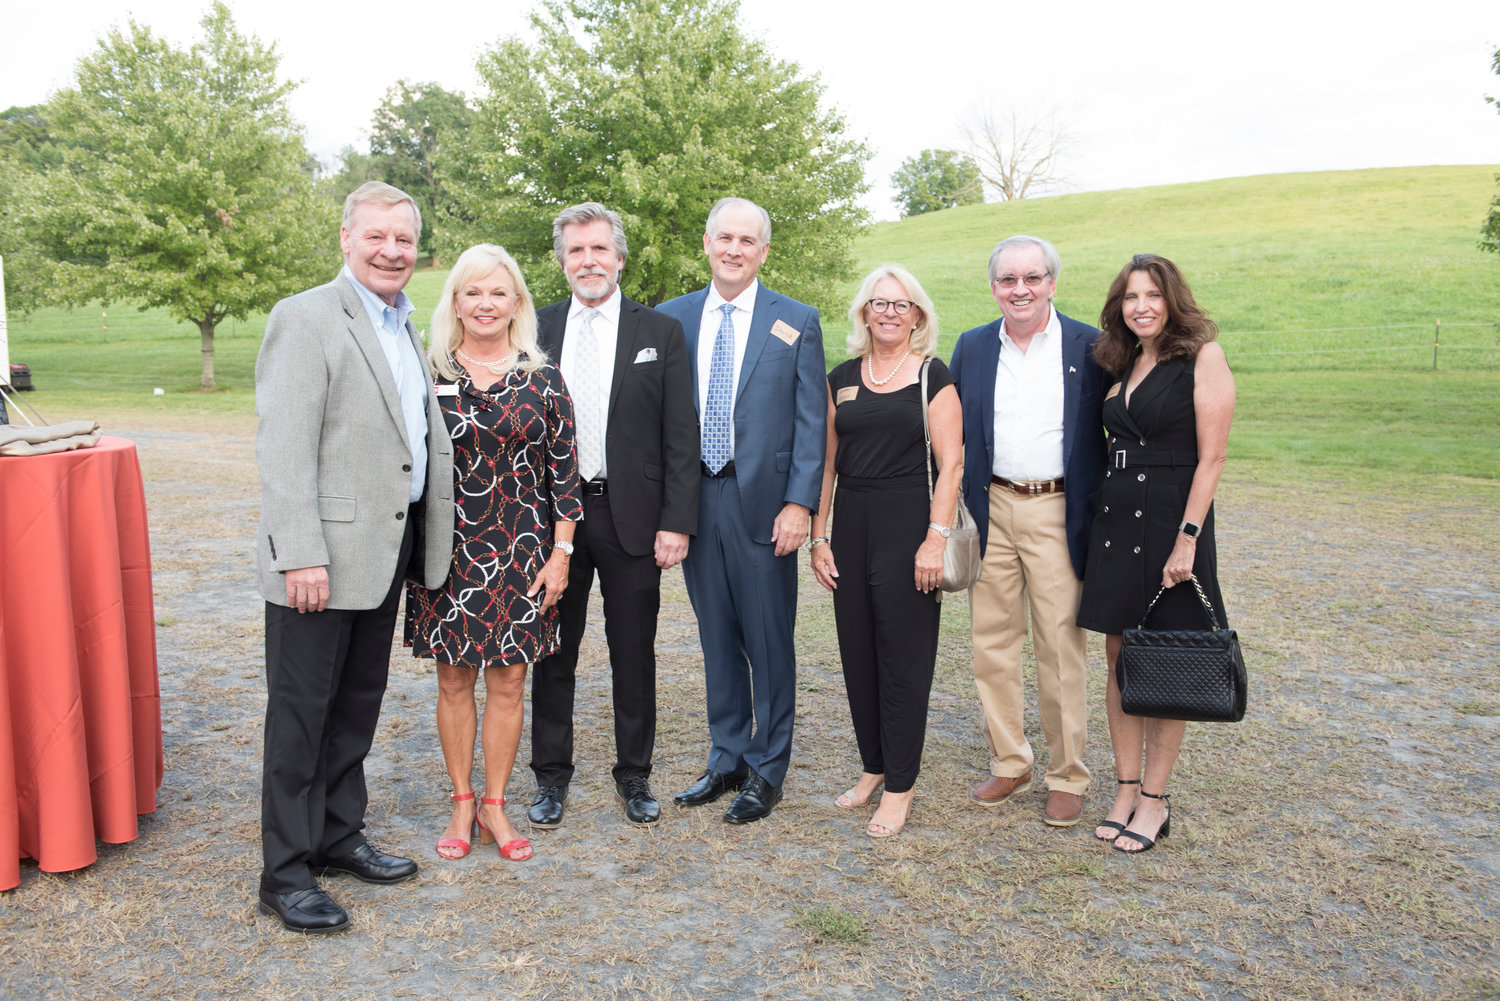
{"type": "Point", "coordinates": [406, 370]}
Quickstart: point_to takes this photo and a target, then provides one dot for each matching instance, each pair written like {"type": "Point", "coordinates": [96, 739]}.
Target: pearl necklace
{"type": "Point", "coordinates": [495, 367]}
{"type": "Point", "coordinates": [870, 367]}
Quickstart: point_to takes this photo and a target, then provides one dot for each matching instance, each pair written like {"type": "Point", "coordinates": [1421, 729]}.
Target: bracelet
{"type": "Point", "coordinates": [812, 544]}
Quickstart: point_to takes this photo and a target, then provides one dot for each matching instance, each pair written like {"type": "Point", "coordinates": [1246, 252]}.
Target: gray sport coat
{"type": "Point", "coordinates": [335, 466]}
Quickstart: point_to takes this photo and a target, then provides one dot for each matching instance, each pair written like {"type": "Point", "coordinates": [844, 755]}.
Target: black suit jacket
{"type": "Point", "coordinates": [651, 448]}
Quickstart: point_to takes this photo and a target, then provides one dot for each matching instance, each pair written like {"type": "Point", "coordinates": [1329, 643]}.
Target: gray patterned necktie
{"type": "Point", "coordinates": [587, 413]}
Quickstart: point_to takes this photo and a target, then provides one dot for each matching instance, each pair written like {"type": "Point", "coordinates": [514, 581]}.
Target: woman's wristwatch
{"type": "Point", "coordinates": [812, 544]}
{"type": "Point", "coordinates": [1189, 529]}
{"type": "Point", "coordinates": [939, 529]}
{"type": "Point", "coordinates": [566, 548]}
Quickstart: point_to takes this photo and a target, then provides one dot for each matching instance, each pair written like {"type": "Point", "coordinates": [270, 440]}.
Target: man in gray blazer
{"type": "Point", "coordinates": [356, 474]}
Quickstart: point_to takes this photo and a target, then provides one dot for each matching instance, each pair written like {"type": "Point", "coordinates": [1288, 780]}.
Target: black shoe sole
{"type": "Point", "coordinates": [270, 911]}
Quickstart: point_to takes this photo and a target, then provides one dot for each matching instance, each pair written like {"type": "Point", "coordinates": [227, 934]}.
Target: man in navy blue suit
{"type": "Point", "coordinates": [1034, 456]}
{"type": "Point", "coordinates": [761, 387]}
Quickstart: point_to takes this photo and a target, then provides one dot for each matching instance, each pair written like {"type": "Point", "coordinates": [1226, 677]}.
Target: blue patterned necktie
{"type": "Point", "coordinates": [719, 410]}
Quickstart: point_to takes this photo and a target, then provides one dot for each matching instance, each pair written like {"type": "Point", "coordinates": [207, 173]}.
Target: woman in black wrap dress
{"type": "Point", "coordinates": [1168, 419]}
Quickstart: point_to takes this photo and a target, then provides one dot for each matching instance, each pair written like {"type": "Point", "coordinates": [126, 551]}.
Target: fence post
{"type": "Point", "coordinates": [1436, 332]}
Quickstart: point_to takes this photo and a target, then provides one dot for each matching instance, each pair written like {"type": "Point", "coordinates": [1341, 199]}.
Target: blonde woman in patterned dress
{"type": "Point", "coordinates": [516, 489]}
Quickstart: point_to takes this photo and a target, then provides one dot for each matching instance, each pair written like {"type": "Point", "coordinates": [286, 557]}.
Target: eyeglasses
{"type": "Point", "coordinates": [1032, 281]}
{"type": "Point", "coordinates": [901, 306]}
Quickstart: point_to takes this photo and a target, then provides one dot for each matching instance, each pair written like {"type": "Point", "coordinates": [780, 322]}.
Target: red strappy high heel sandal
{"type": "Point", "coordinates": [456, 848]}
{"type": "Point", "coordinates": [517, 850]}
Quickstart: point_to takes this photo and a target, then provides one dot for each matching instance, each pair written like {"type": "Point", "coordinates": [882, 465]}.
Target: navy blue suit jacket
{"type": "Point", "coordinates": [780, 404]}
{"type": "Point", "coordinates": [976, 359]}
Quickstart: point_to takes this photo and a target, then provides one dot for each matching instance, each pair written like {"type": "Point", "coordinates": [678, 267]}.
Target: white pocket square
{"type": "Point", "coordinates": [646, 354]}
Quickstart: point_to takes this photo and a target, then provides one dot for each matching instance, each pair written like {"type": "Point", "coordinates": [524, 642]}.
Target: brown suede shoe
{"type": "Point", "coordinates": [1064, 809]}
{"type": "Point", "coordinates": [996, 790]}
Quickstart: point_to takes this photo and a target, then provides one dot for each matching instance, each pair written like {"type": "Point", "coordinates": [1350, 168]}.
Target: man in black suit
{"type": "Point", "coordinates": [626, 368]}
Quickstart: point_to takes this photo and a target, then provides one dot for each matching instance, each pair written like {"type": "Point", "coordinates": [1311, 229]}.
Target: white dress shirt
{"type": "Point", "coordinates": [708, 333]}
{"type": "Point", "coordinates": [607, 333]}
{"type": "Point", "coordinates": [1029, 406]}
{"type": "Point", "coordinates": [406, 370]}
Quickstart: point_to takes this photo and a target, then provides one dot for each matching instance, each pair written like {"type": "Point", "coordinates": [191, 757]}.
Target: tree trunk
{"type": "Point", "coordinates": [206, 331]}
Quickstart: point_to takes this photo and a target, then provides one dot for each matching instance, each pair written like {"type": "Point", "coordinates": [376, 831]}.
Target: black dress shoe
{"type": "Point", "coordinates": [709, 787]}
{"type": "Point", "coordinates": [373, 866]}
{"type": "Point", "coordinates": [310, 910]}
{"type": "Point", "coordinates": [546, 811]}
{"type": "Point", "coordinates": [755, 801]}
{"type": "Point", "coordinates": [641, 808]}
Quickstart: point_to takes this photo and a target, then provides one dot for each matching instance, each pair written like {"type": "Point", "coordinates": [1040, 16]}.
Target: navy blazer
{"type": "Point", "coordinates": [976, 359]}
{"type": "Point", "coordinates": [780, 404]}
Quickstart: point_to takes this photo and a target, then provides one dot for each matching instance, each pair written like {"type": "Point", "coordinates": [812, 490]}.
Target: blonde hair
{"type": "Point", "coordinates": [379, 193]}
{"type": "Point", "coordinates": [448, 330]}
{"type": "Point", "coordinates": [924, 336]}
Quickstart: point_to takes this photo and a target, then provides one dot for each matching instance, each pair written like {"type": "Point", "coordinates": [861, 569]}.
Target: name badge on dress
{"type": "Point", "coordinates": [446, 389]}
{"type": "Point", "coordinates": [844, 395]}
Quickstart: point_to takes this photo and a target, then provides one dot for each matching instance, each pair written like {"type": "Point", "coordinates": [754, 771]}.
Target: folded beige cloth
{"type": "Point", "coordinates": [47, 438]}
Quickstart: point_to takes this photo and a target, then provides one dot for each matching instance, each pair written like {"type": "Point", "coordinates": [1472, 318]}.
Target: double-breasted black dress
{"type": "Point", "coordinates": [1153, 453]}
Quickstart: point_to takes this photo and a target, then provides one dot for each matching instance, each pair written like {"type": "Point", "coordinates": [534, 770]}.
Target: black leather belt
{"type": "Point", "coordinates": [1030, 487]}
{"type": "Point", "coordinates": [728, 470]}
{"type": "Point", "coordinates": [595, 488]}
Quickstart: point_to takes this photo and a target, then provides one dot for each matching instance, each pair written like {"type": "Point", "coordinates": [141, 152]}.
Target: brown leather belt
{"type": "Point", "coordinates": [1030, 486]}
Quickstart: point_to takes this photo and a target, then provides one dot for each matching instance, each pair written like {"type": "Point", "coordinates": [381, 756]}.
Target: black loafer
{"type": "Point", "coordinates": [709, 787]}
{"type": "Point", "coordinates": [641, 808]}
{"type": "Point", "coordinates": [755, 801]}
{"type": "Point", "coordinates": [311, 911]}
{"type": "Point", "coordinates": [373, 866]}
{"type": "Point", "coordinates": [546, 811]}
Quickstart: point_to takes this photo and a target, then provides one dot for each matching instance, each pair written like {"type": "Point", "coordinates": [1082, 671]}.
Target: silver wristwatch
{"type": "Point", "coordinates": [939, 529]}
{"type": "Point", "coordinates": [565, 547]}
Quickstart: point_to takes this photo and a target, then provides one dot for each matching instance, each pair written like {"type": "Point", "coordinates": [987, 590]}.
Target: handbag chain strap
{"type": "Point", "coordinates": [926, 431]}
{"type": "Point", "coordinates": [1212, 618]}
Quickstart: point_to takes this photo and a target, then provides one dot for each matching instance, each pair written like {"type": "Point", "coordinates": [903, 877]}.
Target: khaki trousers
{"type": "Point", "coordinates": [1026, 559]}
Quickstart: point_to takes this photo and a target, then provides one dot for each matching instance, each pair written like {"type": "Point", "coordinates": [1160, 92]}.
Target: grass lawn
{"type": "Point", "coordinates": [1327, 286]}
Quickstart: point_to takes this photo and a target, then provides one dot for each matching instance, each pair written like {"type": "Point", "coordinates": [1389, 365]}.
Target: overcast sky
{"type": "Point", "coordinates": [1155, 92]}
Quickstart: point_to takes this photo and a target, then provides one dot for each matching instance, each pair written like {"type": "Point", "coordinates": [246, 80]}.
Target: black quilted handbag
{"type": "Point", "coordinates": [1190, 674]}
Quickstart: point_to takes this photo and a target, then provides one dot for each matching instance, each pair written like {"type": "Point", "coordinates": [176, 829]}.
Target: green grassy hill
{"type": "Point", "coordinates": [1277, 252]}
{"type": "Point", "coordinates": [1327, 287]}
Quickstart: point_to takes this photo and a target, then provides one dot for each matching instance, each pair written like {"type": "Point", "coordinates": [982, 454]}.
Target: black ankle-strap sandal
{"type": "Point", "coordinates": [1115, 823]}
{"type": "Point", "coordinates": [1147, 843]}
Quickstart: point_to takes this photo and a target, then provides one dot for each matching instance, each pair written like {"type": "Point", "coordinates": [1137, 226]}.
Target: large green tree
{"type": "Point", "coordinates": [657, 108]}
{"type": "Point", "coordinates": [1489, 233]}
{"type": "Point", "coordinates": [936, 179]}
{"type": "Point", "coordinates": [183, 181]}
{"type": "Point", "coordinates": [406, 141]}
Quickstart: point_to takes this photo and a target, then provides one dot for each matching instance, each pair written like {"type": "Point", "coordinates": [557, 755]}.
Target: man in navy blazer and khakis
{"type": "Point", "coordinates": [1034, 456]}
{"type": "Point", "coordinates": [356, 475]}
{"type": "Point", "coordinates": [761, 388]}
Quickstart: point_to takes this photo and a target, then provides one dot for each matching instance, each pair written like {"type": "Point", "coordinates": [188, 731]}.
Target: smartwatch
{"type": "Point", "coordinates": [1189, 529]}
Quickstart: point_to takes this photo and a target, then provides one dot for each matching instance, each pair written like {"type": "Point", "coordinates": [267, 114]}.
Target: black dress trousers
{"type": "Point", "coordinates": [325, 679]}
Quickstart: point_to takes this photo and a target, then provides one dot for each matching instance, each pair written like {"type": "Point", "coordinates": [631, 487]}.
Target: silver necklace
{"type": "Point", "coordinates": [870, 367]}
{"type": "Point", "coordinates": [495, 367]}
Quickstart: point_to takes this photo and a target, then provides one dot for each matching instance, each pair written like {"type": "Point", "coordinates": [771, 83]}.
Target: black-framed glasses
{"type": "Point", "coordinates": [1031, 281]}
{"type": "Point", "coordinates": [901, 306]}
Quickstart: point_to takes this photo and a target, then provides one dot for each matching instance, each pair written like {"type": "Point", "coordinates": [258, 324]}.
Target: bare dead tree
{"type": "Point", "coordinates": [1019, 151]}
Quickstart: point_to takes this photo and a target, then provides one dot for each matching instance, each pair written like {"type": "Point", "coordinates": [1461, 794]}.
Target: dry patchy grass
{"type": "Point", "coordinates": [1341, 843]}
